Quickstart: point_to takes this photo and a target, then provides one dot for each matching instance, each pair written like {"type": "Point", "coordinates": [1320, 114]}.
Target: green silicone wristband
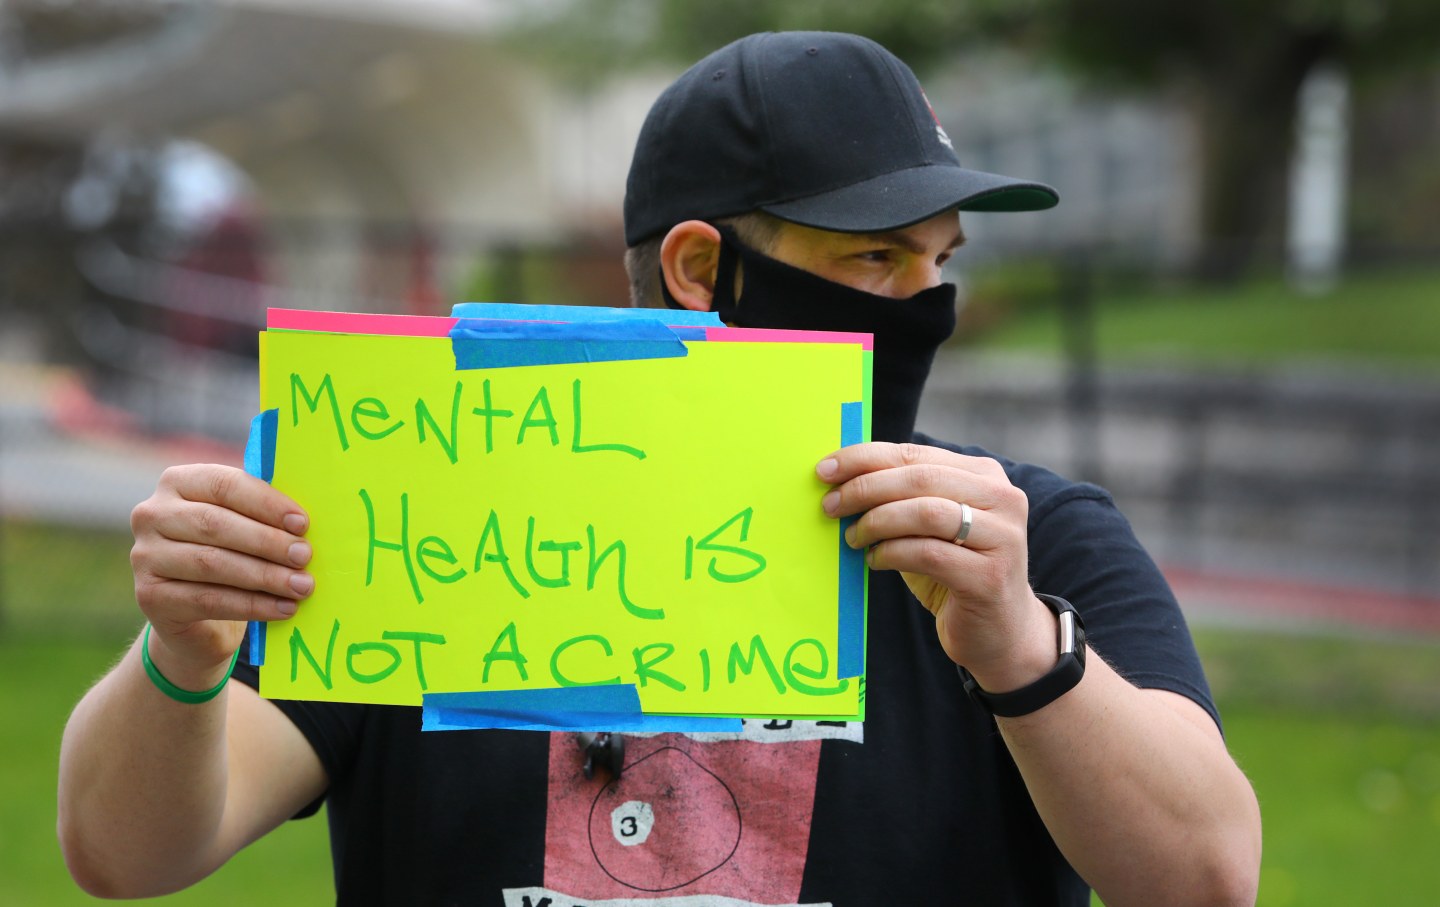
{"type": "Point", "coordinates": [170, 689]}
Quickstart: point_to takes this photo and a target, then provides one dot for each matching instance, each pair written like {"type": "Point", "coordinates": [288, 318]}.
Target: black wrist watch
{"type": "Point", "coordinates": [1059, 681]}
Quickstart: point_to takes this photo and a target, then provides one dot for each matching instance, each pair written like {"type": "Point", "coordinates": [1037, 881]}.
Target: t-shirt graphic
{"type": "Point", "coordinates": [721, 815]}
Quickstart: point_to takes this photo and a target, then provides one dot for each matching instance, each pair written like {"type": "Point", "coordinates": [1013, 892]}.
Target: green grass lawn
{"type": "Point", "coordinates": [40, 681]}
{"type": "Point", "coordinates": [1340, 736]}
{"type": "Point", "coordinates": [66, 612]}
{"type": "Point", "coordinates": [1389, 319]}
{"type": "Point", "coordinates": [1350, 793]}
{"type": "Point", "coordinates": [55, 580]}
{"type": "Point", "coordinates": [1351, 806]}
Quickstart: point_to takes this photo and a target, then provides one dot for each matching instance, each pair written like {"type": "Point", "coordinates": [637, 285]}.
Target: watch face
{"type": "Point", "coordinates": [1067, 632]}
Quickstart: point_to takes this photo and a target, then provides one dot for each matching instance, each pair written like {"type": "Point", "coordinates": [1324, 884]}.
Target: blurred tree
{"type": "Point", "coordinates": [1240, 61]}
{"type": "Point", "coordinates": [37, 29]}
{"type": "Point", "coordinates": [58, 191]}
{"type": "Point", "coordinates": [1243, 62]}
{"type": "Point", "coordinates": [1395, 185]}
{"type": "Point", "coordinates": [56, 197]}
{"type": "Point", "coordinates": [36, 245]}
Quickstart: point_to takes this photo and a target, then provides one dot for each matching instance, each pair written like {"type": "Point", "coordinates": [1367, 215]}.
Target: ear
{"type": "Point", "coordinates": [689, 257]}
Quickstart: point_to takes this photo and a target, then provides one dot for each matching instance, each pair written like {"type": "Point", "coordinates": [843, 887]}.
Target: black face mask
{"type": "Point", "coordinates": [907, 331]}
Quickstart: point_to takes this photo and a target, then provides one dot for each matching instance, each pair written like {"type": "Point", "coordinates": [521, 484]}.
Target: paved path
{"type": "Point", "coordinates": [64, 458]}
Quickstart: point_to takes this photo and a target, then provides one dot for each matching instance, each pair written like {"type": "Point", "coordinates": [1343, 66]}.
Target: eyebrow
{"type": "Point", "coordinates": [909, 244]}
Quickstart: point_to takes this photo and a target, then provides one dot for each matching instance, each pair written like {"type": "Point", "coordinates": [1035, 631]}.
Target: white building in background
{"type": "Point", "coordinates": [386, 141]}
{"type": "Point", "coordinates": [377, 137]}
{"type": "Point", "coordinates": [1319, 177]}
{"type": "Point", "coordinates": [1126, 168]}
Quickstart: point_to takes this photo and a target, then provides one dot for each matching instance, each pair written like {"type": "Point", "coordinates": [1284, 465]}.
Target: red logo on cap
{"type": "Point", "coordinates": [939, 130]}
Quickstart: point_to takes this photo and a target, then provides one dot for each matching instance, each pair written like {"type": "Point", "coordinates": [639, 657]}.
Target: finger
{"type": "Point", "coordinates": [236, 490]}
{"type": "Point", "coordinates": [209, 565]}
{"type": "Point", "coordinates": [173, 605]}
{"type": "Point", "coordinates": [899, 483]}
{"type": "Point", "coordinates": [926, 517]}
{"type": "Point", "coordinates": [858, 459]}
{"type": "Point", "coordinates": [943, 561]}
{"type": "Point", "coordinates": [211, 524]}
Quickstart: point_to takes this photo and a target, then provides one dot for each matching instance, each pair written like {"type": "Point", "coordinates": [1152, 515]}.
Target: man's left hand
{"type": "Point", "coordinates": [908, 497]}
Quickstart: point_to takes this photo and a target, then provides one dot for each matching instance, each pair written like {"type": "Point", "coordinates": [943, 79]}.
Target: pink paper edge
{"type": "Point", "coordinates": [360, 323]}
{"type": "Point", "coordinates": [440, 326]}
{"type": "Point", "coordinates": [780, 335]}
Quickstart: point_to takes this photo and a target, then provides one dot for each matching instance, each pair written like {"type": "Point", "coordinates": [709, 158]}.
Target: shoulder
{"type": "Point", "coordinates": [1084, 550]}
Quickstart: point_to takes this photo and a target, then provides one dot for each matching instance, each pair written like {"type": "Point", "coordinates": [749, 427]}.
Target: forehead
{"type": "Point", "coordinates": [940, 232]}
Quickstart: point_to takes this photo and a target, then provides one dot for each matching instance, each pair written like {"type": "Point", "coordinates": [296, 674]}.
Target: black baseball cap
{"type": "Point", "coordinates": [822, 129]}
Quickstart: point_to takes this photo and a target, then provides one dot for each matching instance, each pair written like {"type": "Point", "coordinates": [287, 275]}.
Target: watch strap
{"type": "Point", "coordinates": [1061, 679]}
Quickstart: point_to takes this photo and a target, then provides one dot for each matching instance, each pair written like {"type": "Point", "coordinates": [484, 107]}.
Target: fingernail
{"type": "Point", "coordinates": [850, 536]}
{"type": "Point", "coordinates": [302, 583]}
{"type": "Point", "coordinates": [300, 554]}
{"type": "Point", "coordinates": [827, 467]}
{"type": "Point", "coordinates": [286, 607]}
{"type": "Point", "coordinates": [295, 523]}
{"type": "Point", "coordinates": [830, 501]}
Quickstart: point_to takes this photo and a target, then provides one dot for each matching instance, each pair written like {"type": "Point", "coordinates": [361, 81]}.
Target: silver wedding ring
{"type": "Point", "coordinates": [967, 517]}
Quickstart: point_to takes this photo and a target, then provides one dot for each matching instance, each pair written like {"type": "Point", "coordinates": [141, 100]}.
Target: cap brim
{"type": "Point", "coordinates": [895, 200]}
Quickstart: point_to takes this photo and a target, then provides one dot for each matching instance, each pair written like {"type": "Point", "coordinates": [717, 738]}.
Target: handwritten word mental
{"type": "Point", "coordinates": [370, 418]}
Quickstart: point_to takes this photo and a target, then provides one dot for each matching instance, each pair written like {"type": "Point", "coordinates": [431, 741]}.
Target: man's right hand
{"type": "Point", "coordinates": [155, 793]}
{"type": "Point", "coordinates": [214, 548]}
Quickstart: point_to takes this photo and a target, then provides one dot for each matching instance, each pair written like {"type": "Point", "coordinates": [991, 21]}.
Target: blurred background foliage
{"type": "Point", "coordinates": [1239, 65]}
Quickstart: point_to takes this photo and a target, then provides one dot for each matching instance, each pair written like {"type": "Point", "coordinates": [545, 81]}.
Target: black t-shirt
{"type": "Point", "coordinates": [920, 804]}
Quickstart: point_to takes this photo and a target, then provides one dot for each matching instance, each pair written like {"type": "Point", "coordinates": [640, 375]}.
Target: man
{"type": "Point", "coordinates": [795, 180]}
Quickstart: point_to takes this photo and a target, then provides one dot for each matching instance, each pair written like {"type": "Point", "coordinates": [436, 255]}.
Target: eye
{"type": "Point", "coordinates": [875, 256]}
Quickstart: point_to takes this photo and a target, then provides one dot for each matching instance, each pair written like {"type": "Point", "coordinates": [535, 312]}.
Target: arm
{"type": "Point", "coordinates": [155, 794]}
{"type": "Point", "coordinates": [1135, 786]}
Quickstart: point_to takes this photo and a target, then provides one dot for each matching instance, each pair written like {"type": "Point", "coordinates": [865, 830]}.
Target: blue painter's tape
{"type": "Point", "coordinates": [256, 635]}
{"type": "Point", "coordinates": [260, 447]}
{"type": "Point", "coordinates": [605, 697]}
{"type": "Point", "coordinates": [611, 707]}
{"type": "Point", "coordinates": [852, 423]}
{"type": "Point", "coordinates": [435, 718]}
{"type": "Point", "coordinates": [689, 335]}
{"type": "Point", "coordinates": [850, 654]}
{"type": "Point", "coordinates": [260, 462]}
{"type": "Point", "coordinates": [485, 343]}
{"type": "Point", "coordinates": [253, 446]}
{"type": "Point", "coordinates": [576, 314]}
